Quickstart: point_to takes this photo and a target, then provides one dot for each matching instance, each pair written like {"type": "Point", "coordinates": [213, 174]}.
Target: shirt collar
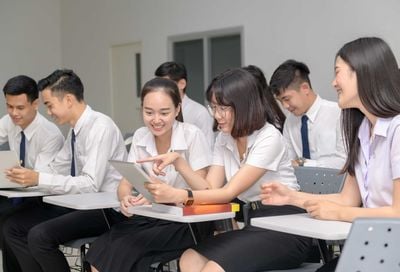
{"type": "Point", "coordinates": [230, 143]}
{"type": "Point", "coordinates": [313, 110]}
{"type": "Point", "coordinates": [82, 119]}
{"type": "Point", "coordinates": [178, 141]}
{"type": "Point", "coordinates": [29, 131]}
{"type": "Point", "coordinates": [381, 128]}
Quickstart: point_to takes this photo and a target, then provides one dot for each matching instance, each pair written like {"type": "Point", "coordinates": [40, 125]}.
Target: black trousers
{"type": "Point", "coordinates": [35, 233]}
{"type": "Point", "coordinates": [7, 209]}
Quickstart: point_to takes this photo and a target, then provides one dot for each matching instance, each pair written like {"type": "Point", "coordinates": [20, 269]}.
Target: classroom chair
{"type": "Point", "coordinates": [373, 245]}
{"type": "Point", "coordinates": [315, 180]}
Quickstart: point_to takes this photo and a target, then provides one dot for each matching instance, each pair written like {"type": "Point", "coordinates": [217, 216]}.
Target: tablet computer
{"type": "Point", "coordinates": [8, 159]}
{"type": "Point", "coordinates": [135, 174]}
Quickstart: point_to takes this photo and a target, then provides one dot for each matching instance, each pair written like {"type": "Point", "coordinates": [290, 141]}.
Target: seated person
{"type": "Point", "coordinates": [132, 244]}
{"type": "Point", "coordinates": [35, 232]}
{"type": "Point", "coordinates": [312, 128]}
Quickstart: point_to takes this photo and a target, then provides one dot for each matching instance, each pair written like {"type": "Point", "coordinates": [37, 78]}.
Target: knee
{"type": "Point", "coordinates": [39, 237]}
{"type": "Point", "coordinates": [10, 230]}
{"type": "Point", "coordinates": [190, 261]}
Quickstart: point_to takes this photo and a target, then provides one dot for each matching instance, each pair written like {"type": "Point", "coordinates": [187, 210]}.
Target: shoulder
{"type": "Point", "coordinates": [329, 105]}
{"type": "Point", "coordinates": [5, 121]}
{"type": "Point", "coordinates": [47, 126]}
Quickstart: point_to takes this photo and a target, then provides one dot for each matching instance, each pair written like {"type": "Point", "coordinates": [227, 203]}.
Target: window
{"type": "Point", "coordinates": [205, 55]}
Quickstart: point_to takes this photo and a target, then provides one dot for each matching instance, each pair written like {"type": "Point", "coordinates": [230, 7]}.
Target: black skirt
{"type": "Point", "coordinates": [257, 249]}
{"type": "Point", "coordinates": [134, 244]}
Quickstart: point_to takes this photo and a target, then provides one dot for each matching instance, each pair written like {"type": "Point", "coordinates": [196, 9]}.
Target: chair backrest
{"type": "Point", "coordinates": [318, 180]}
{"type": "Point", "coordinates": [372, 245]}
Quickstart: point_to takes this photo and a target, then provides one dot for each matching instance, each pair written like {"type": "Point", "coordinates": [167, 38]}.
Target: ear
{"type": "Point", "coordinates": [69, 99]}
{"type": "Point", "coordinates": [305, 88]}
{"type": "Point", "coordinates": [35, 104]}
{"type": "Point", "coordinates": [178, 109]}
{"type": "Point", "coordinates": [181, 84]}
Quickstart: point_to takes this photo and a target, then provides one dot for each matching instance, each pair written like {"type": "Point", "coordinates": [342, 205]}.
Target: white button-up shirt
{"type": "Point", "coordinates": [324, 135]}
{"type": "Point", "coordinates": [187, 140]}
{"type": "Point", "coordinates": [379, 161]}
{"type": "Point", "coordinates": [196, 114]}
{"type": "Point", "coordinates": [43, 140]}
{"type": "Point", "coordinates": [265, 149]}
{"type": "Point", "coordinates": [97, 141]}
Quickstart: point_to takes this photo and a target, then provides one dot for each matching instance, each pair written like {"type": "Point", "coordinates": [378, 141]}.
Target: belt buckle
{"type": "Point", "coordinates": [254, 206]}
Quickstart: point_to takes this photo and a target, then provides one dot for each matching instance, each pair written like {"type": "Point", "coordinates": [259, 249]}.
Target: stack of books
{"type": "Point", "coordinates": [195, 209]}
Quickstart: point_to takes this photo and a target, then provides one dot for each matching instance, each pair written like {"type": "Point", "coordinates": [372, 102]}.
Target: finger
{"type": "Point", "coordinates": [148, 159]}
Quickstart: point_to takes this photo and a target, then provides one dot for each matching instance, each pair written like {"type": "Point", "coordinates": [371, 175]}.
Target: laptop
{"type": "Point", "coordinates": [8, 159]}
{"type": "Point", "coordinates": [135, 174]}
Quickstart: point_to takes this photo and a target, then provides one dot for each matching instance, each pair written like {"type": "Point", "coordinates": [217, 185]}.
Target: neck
{"type": "Point", "coordinates": [76, 112]}
{"type": "Point", "coordinates": [163, 142]}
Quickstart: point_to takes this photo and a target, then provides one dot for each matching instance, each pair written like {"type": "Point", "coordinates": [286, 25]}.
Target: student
{"type": "Point", "coordinates": [24, 128]}
{"type": "Point", "coordinates": [131, 245]}
{"type": "Point", "coordinates": [312, 129]}
{"type": "Point", "coordinates": [193, 112]}
{"type": "Point", "coordinates": [248, 151]}
{"type": "Point", "coordinates": [35, 233]}
{"type": "Point", "coordinates": [368, 88]}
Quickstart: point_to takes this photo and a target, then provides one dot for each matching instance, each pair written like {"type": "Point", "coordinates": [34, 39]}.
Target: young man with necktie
{"type": "Point", "coordinates": [24, 129]}
{"type": "Point", "coordinates": [312, 129]}
{"type": "Point", "coordinates": [35, 233]}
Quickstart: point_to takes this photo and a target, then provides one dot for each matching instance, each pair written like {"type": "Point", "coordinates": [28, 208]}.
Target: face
{"type": "Point", "coordinates": [21, 111]}
{"type": "Point", "coordinates": [224, 115]}
{"type": "Point", "coordinates": [58, 108]}
{"type": "Point", "coordinates": [159, 113]}
{"type": "Point", "coordinates": [345, 83]}
{"type": "Point", "coordinates": [295, 101]}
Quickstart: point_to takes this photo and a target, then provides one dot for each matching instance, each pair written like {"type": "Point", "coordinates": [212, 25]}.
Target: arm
{"type": "Point", "coordinates": [278, 194]}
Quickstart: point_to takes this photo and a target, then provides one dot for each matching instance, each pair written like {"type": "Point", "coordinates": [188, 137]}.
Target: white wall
{"type": "Point", "coordinates": [29, 39]}
{"type": "Point", "coordinates": [274, 30]}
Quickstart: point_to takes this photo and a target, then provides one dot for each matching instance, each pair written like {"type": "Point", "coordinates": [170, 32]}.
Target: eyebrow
{"type": "Point", "coordinates": [163, 109]}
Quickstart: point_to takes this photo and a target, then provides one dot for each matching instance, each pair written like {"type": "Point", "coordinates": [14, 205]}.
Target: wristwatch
{"type": "Point", "coordinates": [190, 199]}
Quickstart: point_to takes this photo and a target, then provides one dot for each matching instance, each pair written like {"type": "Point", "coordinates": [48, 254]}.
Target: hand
{"type": "Point", "coordinates": [162, 192]}
{"type": "Point", "coordinates": [130, 200]}
{"type": "Point", "coordinates": [275, 193]}
{"type": "Point", "coordinates": [25, 177]}
{"type": "Point", "coordinates": [161, 161]}
{"type": "Point", "coordinates": [322, 209]}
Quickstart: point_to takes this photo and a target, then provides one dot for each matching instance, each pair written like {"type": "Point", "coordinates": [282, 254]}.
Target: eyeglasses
{"type": "Point", "coordinates": [213, 109]}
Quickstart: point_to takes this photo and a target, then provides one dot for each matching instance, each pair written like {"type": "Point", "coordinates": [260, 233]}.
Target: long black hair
{"type": "Point", "coordinates": [378, 84]}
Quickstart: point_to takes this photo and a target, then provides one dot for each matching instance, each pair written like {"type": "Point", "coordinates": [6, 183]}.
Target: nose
{"type": "Point", "coordinates": [334, 82]}
{"type": "Point", "coordinates": [285, 105]}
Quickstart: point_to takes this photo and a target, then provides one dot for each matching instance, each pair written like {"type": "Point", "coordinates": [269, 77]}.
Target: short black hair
{"type": "Point", "coordinates": [63, 81]}
{"type": "Point", "coordinates": [173, 70]}
{"type": "Point", "coordinates": [22, 85]}
{"type": "Point", "coordinates": [291, 73]}
{"type": "Point", "coordinates": [240, 90]}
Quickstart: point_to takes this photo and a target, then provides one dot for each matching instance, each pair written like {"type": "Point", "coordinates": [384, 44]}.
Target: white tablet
{"type": "Point", "coordinates": [135, 174]}
{"type": "Point", "coordinates": [8, 159]}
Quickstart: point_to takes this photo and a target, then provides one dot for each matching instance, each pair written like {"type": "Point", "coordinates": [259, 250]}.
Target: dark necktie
{"type": "Point", "coordinates": [17, 200]}
{"type": "Point", "coordinates": [22, 149]}
{"type": "Point", "coordinates": [73, 153]}
{"type": "Point", "coordinates": [304, 137]}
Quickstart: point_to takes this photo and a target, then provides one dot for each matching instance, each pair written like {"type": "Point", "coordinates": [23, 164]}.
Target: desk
{"type": "Point", "coordinates": [24, 192]}
{"type": "Point", "coordinates": [304, 225]}
{"type": "Point", "coordinates": [90, 201]}
{"type": "Point", "coordinates": [146, 210]}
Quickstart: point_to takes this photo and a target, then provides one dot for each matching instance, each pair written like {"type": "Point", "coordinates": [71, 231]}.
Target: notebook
{"type": "Point", "coordinates": [8, 159]}
{"type": "Point", "coordinates": [135, 174]}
